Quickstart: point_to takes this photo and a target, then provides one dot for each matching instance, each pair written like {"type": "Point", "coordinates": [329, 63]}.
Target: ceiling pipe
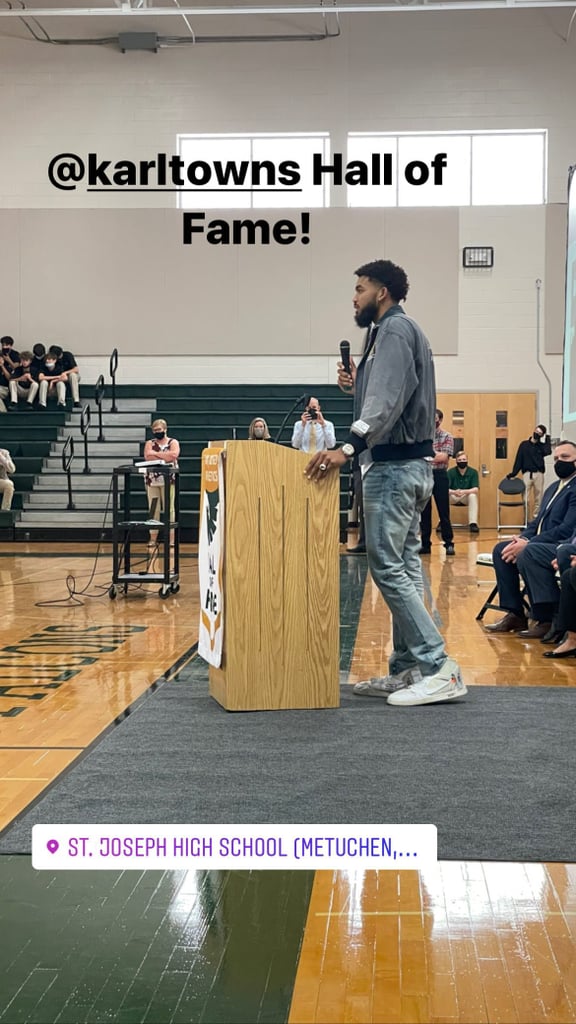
{"type": "Point", "coordinates": [284, 9]}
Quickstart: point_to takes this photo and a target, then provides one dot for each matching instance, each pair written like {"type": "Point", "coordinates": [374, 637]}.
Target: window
{"type": "Point", "coordinates": [481, 168]}
{"type": "Point", "coordinates": [253, 171]}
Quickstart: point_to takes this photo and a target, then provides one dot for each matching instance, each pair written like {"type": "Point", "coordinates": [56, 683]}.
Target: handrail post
{"type": "Point", "coordinates": [84, 428]}
{"type": "Point", "coordinates": [98, 397]}
{"type": "Point", "coordinates": [113, 368]}
{"type": "Point", "coordinates": [67, 458]}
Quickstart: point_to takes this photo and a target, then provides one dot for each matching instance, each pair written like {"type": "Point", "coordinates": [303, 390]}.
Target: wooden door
{"type": "Point", "coordinates": [489, 427]}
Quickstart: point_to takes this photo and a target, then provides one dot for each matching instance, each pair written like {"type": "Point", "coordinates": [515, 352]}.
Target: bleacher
{"type": "Point", "coordinates": [195, 414]}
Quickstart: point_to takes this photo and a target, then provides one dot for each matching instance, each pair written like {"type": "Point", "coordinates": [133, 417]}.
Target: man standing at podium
{"type": "Point", "coordinates": [394, 406]}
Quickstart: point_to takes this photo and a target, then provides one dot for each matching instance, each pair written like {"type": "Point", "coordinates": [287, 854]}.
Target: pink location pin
{"type": "Point", "coordinates": [52, 845]}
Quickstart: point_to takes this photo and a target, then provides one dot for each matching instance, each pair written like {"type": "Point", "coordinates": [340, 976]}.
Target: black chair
{"type": "Point", "coordinates": [508, 490]}
{"type": "Point", "coordinates": [487, 559]}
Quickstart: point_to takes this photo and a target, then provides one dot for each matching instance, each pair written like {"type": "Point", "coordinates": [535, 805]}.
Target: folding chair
{"type": "Point", "coordinates": [508, 489]}
{"type": "Point", "coordinates": [487, 559]}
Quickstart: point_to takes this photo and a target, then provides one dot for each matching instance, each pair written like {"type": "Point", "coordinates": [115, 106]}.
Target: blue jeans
{"type": "Point", "coordinates": [395, 493]}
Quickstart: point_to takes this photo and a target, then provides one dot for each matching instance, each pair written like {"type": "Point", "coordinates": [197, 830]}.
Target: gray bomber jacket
{"type": "Point", "coordinates": [395, 393]}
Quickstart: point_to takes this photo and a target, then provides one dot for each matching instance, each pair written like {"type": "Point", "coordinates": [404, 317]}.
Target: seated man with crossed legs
{"type": "Point", "coordinates": [531, 554]}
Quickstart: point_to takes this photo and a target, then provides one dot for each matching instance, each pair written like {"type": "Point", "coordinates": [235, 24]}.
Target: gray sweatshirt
{"type": "Point", "coordinates": [395, 393]}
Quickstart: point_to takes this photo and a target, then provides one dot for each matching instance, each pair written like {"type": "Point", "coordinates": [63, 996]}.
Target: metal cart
{"type": "Point", "coordinates": [125, 526]}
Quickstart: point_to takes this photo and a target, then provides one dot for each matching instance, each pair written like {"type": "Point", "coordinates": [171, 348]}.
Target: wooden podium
{"type": "Point", "coordinates": [281, 583]}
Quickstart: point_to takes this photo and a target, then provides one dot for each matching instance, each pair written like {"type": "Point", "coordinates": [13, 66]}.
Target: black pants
{"type": "Point", "coordinates": [441, 495]}
{"type": "Point", "coordinates": [358, 494]}
{"type": "Point", "coordinates": [567, 612]}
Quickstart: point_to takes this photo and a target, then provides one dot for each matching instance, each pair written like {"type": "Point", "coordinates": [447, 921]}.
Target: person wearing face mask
{"type": "Point", "coordinates": [159, 448]}
{"type": "Point", "coordinates": [9, 354]}
{"type": "Point", "coordinates": [258, 430]}
{"type": "Point", "coordinates": [9, 360]}
{"type": "Point", "coordinates": [52, 379]}
{"type": "Point", "coordinates": [532, 553]}
{"type": "Point", "coordinates": [530, 462]}
{"type": "Point", "coordinates": [463, 489]}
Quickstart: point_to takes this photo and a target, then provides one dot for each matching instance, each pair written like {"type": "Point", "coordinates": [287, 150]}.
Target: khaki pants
{"type": "Point", "coordinates": [155, 494]}
{"type": "Point", "coordinates": [471, 500]}
{"type": "Point", "coordinates": [7, 492]}
{"type": "Point", "coordinates": [19, 391]}
{"type": "Point", "coordinates": [46, 386]}
{"type": "Point", "coordinates": [536, 484]}
{"type": "Point", "coordinates": [74, 382]}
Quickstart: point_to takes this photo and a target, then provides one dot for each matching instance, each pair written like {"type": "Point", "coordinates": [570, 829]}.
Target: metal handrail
{"type": "Point", "coordinates": [113, 368]}
{"type": "Point", "coordinates": [67, 459]}
{"type": "Point", "coordinates": [85, 417]}
{"type": "Point", "coordinates": [98, 398]}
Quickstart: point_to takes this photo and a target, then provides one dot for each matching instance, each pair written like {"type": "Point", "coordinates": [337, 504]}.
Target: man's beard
{"type": "Point", "coordinates": [365, 317]}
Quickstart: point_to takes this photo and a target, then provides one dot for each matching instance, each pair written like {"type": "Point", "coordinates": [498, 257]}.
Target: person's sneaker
{"type": "Point", "coordinates": [450, 549]}
{"type": "Point", "coordinates": [383, 686]}
{"type": "Point", "coordinates": [425, 549]}
{"type": "Point", "coordinates": [474, 528]}
{"type": "Point", "coordinates": [446, 684]}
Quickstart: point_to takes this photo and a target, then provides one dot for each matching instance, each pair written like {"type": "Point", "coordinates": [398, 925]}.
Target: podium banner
{"type": "Point", "coordinates": [211, 557]}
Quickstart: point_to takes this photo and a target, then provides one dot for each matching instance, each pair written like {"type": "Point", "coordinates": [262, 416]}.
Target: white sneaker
{"type": "Point", "coordinates": [446, 684]}
{"type": "Point", "coordinates": [383, 686]}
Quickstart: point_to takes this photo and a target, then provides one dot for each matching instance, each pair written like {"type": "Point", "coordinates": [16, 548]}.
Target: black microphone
{"type": "Point", "coordinates": [345, 355]}
{"type": "Point", "coordinates": [303, 398]}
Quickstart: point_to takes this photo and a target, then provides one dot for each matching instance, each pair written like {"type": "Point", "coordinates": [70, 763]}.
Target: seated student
{"type": "Point", "coordinates": [38, 353]}
{"type": "Point", "coordinates": [9, 360]}
{"type": "Point", "coordinates": [463, 489]}
{"type": "Point", "coordinates": [531, 554]}
{"type": "Point", "coordinates": [6, 485]}
{"type": "Point", "coordinates": [70, 368]}
{"type": "Point", "coordinates": [24, 381]}
{"type": "Point", "coordinates": [52, 379]}
{"type": "Point", "coordinates": [258, 430]}
{"type": "Point", "coordinates": [9, 353]}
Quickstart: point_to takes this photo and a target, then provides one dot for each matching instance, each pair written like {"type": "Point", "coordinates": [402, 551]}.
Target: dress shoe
{"type": "Point", "coordinates": [535, 632]}
{"type": "Point", "coordinates": [509, 624]}
{"type": "Point", "coordinates": [474, 528]}
{"type": "Point", "coordinates": [553, 636]}
{"type": "Point", "coordinates": [450, 549]}
{"type": "Point", "coordinates": [360, 549]}
{"type": "Point", "coordinates": [560, 654]}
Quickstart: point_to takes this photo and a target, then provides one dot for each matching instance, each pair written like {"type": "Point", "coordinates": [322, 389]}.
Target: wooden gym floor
{"type": "Point", "coordinates": [462, 942]}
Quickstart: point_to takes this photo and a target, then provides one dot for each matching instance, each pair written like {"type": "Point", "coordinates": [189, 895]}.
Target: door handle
{"type": "Point", "coordinates": [485, 471]}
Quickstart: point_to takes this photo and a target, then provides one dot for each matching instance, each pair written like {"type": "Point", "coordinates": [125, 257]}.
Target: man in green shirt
{"type": "Point", "coordinates": [463, 485]}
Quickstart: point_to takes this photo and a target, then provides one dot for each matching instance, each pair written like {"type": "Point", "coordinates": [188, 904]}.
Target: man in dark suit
{"type": "Point", "coordinates": [530, 555]}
